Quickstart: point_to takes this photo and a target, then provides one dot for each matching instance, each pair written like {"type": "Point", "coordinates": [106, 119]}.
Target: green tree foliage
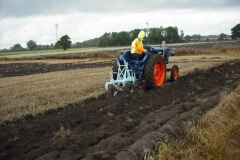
{"type": "Point", "coordinates": [222, 36]}
{"type": "Point", "coordinates": [121, 38]}
{"type": "Point", "coordinates": [88, 43]}
{"type": "Point", "coordinates": [155, 36]}
{"type": "Point", "coordinates": [187, 38]}
{"type": "Point", "coordinates": [236, 31]}
{"type": "Point", "coordinates": [104, 40]}
{"type": "Point", "coordinates": [17, 47]}
{"type": "Point", "coordinates": [171, 35]}
{"type": "Point", "coordinates": [65, 42]}
{"type": "Point", "coordinates": [196, 37]}
{"type": "Point", "coordinates": [31, 44]}
{"type": "Point", "coordinates": [58, 45]}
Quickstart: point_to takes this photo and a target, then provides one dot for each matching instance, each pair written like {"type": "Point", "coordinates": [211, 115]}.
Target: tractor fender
{"type": "Point", "coordinates": [147, 57]}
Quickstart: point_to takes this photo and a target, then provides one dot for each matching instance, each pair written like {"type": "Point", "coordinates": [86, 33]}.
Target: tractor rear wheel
{"type": "Point", "coordinates": [155, 71]}
{"type": "Point", "coordinates": [115, 69]}
{"type": "Point", "coordinates": [174, 73]}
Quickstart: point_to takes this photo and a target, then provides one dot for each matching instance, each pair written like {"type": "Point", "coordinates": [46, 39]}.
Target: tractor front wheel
{"type": "Point", "coordinates": [155, 71]}
{"type": "Point", "coordinates": [174, 73]}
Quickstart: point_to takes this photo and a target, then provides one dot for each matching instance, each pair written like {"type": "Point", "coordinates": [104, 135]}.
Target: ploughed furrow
{"type": "Point", "coordinates": [22, 69]}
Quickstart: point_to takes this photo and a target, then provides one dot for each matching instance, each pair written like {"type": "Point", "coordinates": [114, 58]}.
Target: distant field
{"type": "Point", "coordinates": [189, 46]}
{"type": "Point", "coordinates": [4, 53]}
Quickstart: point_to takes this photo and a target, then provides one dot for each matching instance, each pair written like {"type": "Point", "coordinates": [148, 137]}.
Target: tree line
{"type": "Point", "coordinates": [31, 45]}
{"type": "Point", "coordinates": [64, 42]}
{"type": "Point", "coordinates": [153, 36]}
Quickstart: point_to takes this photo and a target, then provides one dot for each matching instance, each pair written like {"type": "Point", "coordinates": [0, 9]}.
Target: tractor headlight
{"type": "Point", "coordinates": [173, 53]}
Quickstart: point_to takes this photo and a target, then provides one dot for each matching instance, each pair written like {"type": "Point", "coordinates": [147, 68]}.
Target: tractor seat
{"type": "Point", "coordinates": [138, 56]}
{"type": "Point", "coordinates": [128, 56]}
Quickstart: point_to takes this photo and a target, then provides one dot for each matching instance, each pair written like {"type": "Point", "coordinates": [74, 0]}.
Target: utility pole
{"type": "Point", "coordinates": [147, 30]}
{"type": "Point", "coordinates": [56, 31]}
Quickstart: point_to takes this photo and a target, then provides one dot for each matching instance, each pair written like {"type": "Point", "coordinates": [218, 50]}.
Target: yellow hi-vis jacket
{"type": "Point", "coordinates": [137, 44]}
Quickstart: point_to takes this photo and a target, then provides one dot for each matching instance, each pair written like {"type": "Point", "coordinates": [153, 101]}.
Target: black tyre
{"type": "Point", "coordinates": [115, 69]}
{"type": "Point", "coordinates": [155, 71]}
{"type": "Point", "coordinates": [174, 73]}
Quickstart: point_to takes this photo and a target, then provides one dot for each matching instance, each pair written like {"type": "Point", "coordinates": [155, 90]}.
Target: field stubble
{"type": "Point", "coordinates": [36, 93]}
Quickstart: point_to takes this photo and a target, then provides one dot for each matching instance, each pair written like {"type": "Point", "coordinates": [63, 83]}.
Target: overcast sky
{"type": "Point", "coordinates": [24, 20]}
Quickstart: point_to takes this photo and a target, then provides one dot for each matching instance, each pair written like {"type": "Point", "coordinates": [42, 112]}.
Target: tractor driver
{"type": "Point", "coordinates": [137, 49]}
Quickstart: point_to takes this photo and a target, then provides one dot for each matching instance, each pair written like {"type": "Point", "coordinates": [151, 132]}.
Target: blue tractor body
{"type": "Point", "coordinates": [137, 62]}
{"type": "Point", "coordinates": [151, 67]}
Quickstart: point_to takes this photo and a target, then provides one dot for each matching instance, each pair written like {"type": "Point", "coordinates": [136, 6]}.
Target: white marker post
{"type": "Point", "coordinates": [163, 46]}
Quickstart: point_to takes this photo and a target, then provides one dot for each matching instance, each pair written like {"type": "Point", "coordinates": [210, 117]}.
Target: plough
{"type": "Point", "coordinates": [123, 76]}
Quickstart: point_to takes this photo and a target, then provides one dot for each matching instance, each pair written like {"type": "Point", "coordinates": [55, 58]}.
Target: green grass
{"type": "Point", "coordinates": [43, 51]}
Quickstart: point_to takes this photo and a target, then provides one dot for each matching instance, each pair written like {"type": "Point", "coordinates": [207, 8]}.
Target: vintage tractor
{"type": "Point", "coordinates": [151, 67]}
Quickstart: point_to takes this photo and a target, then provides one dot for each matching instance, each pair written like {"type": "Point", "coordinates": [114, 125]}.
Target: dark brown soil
{"type": "Point", "coordinates": [209, 45]}
{"type": "Point", "coordinates": [21, 69]}
{"type": "Point", "coordinates": [119, 127]}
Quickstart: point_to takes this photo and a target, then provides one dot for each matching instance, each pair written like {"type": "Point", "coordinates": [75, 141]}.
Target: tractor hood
{"type": "Point", "coordinates": [160, 49]}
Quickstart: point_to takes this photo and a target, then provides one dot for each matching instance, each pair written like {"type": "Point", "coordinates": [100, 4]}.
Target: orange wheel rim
{"type": "Point", "coordinates": [175, 74]}
{"type": "Point", "coordinates": [159, 73]}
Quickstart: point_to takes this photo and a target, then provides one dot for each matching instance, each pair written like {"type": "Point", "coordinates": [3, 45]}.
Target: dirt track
{"type": "Point", "coordinates": [120, 127]}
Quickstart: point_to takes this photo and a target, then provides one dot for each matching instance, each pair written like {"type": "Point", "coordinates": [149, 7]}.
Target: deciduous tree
{"type": "Point", "coordinates": [58, 45]}
{"type": "Point", "coordinates": [222, 36]}
{"type": "Point", "coordinates": [187, 38]}
{"type": "Point", "coordinates": [236, 31]}
{"type": "Point", "coordinates": [31, 44]}
{"type": "Point", "coordinates": [65, 42]}
{"type": "Point", "coordinates": [17, 47]}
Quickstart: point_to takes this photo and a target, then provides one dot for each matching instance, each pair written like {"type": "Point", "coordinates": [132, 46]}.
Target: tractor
{"type": "Point", "coordinates": [151, 68]}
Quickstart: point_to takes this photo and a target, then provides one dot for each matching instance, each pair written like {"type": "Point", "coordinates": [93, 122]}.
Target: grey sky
{"type": "Point", "coordinates": [23, 20]}
{"type": "Point", "coordinates": [22, 8]}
